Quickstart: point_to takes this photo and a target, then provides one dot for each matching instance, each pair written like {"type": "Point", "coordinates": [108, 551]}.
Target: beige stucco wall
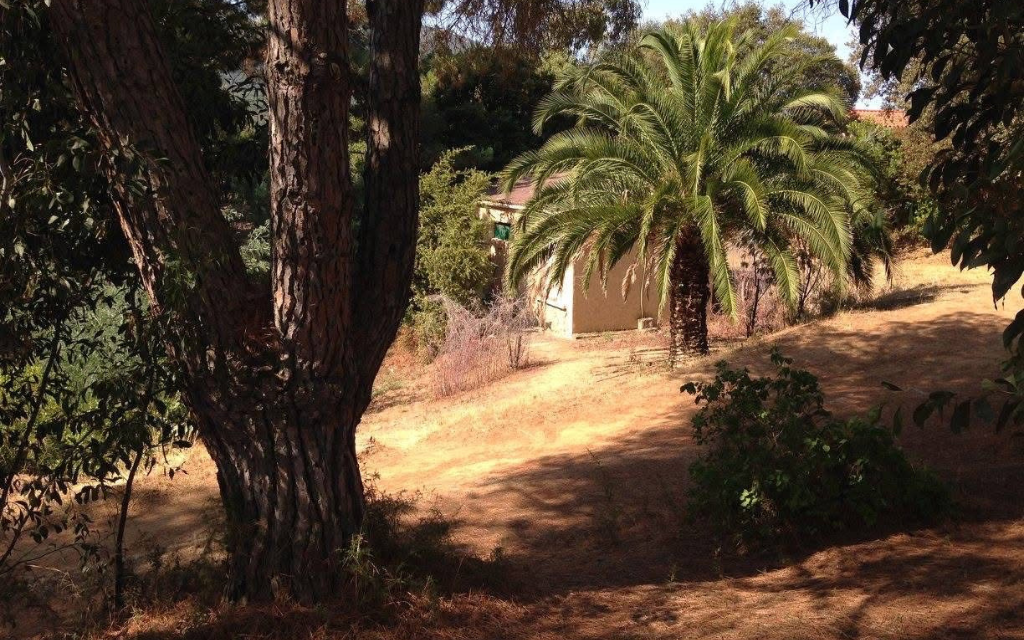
{"type": "Point", "coordinates": [574, 306]}
{"type": "Point", "coordinates": [498, 248]}
{"type": "Point", "coordinates": [499, 213]}
{"type": "Point", "coordinates": [596, 309]}
{"type": "Point", "coordinates": [552, 308]}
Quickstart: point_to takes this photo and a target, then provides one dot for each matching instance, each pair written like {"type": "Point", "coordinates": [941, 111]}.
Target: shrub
{"type": "Point", "coordinates": [428, 328]}
{"type": "Point", "coordinates": [481, 347]}
{"type": "Point", "coordinates": [248, 210]}
{"type": "Point", "coordinates": [899, 157]}
{"type": "Point", "coordinates": [452, 256]}
{"type": "Point", "coordinates": [759, 308]}
{"type": "Point", "coordinates": [779, 466]}
{"type": "Point", "coordinates": [405, 548]}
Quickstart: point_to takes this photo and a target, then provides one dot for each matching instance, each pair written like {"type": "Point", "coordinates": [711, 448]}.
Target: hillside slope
{"type": "Point", "coordinates": [576, 470]}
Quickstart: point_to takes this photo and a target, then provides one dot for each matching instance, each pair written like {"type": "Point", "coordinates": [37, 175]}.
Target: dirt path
{"type": "Point", "coordinates": [576, 470]}
{"type": "Point", "coordinates": [543, 461]}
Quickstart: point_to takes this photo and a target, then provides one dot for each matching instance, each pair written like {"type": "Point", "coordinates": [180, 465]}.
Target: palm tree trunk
{"type": "Point", "coordinates": [690, 295]}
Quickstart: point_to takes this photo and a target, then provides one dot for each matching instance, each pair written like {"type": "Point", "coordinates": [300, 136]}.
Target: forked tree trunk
{"type": "Point", "coordinates": [276, 380]}
{"type": "Point", "coordinates": [289, 480]}
{"type": "Point", "coordinates": [689, 297]}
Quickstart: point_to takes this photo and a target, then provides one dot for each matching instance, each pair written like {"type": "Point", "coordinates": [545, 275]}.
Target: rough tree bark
{"type": "Point", "coordinates": [689, 296]}
{"type": "Point", "coordinates": [277, 380]}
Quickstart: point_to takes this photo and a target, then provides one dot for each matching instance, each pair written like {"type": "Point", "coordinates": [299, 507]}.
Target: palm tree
{"type": "Point", "coordinates": [681, 146]}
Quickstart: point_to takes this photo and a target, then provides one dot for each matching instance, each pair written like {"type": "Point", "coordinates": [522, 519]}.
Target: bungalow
{"type": "Point", "coordinates": [571, 307]}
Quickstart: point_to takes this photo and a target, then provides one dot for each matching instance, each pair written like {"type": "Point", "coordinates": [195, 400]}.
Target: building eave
{"type": "Point", "coordinates": [506, 206]}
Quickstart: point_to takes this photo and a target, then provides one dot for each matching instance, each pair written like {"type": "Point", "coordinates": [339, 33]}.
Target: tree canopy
{"type": "Point", "coordinates": [963, 65]}
{"type": "Point", "coordinates": [535, 25]}
{"type": "Point", "coordinates": [810, 63]}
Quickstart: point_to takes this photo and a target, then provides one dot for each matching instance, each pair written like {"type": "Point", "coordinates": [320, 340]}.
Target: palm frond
{"type": "Point", "coordinates": [723, 151]}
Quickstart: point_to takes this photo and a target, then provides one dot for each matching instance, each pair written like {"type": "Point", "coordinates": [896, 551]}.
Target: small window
{"type": "Point", "coordinates": [502, 231]}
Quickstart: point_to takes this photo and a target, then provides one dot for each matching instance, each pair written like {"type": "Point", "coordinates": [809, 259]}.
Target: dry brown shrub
{"type": "Point", "coordinates": [758, 310]}
{"type": "Point", "coordinates": [481, 347]}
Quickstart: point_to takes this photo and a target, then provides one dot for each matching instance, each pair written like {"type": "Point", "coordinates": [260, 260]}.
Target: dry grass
{"type": "Point", "coordinates": [423, 616]}
{"type": "Point", "coordinates": [951, 584]}
{"type": "Point", "coordinates": [578, 474]}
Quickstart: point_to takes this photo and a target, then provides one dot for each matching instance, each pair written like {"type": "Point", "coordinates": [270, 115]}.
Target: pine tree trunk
{"type": "Point", "coordinates": [276, 380]}
{"type": "Point", "coordinates": [289, 480]}
{"type": "Point", "coordinates": [689, 297]}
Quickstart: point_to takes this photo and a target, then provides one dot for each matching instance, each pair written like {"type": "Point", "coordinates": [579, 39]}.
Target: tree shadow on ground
{"type": "Point", "coordinates": [599, 529]}
{"type": "Point", "coordinates": [600, 548]}
{"type": "Point", "coordinates": [976, 566]}
{"type": "Point", "coordinates": [958, 585]}
{"type": "Point", "coordinates": [614, 516]}
{"type": "Point", "coordinates": [913, 296]}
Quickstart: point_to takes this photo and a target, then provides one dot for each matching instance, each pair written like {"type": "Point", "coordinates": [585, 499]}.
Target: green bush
{"type": "Point", "coordinates": [452, 253]}
{"type": "Point", "coordinates": [429, 325]}
{"type": "Point", "coordinates": [899, 156]}
{"type": "Point", "coordinates": [779, 467]}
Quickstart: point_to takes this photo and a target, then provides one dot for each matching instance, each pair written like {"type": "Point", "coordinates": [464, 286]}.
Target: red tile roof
{"type": "Point", "coordinates": [892, 118]}
{"type": "Point", "coordinates": [520, 194]}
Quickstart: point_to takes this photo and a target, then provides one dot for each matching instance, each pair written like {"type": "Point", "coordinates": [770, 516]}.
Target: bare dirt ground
{"type": "Point", "coordinates": [576, 469]}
